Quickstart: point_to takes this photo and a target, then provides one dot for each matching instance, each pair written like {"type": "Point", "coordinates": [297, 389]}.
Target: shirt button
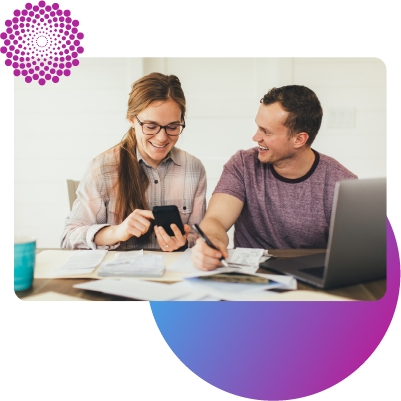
{"type": "Point", "coordinates": [185, 208]}
{"type": "Point", "coordinates": [156, 181]}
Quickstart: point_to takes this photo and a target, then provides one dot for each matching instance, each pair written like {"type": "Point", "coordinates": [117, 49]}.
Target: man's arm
{"type": "Point", "coordinates": [223, 211]}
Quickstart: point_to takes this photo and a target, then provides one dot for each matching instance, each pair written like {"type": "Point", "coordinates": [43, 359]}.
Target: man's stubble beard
{"type": "Point", "coordinates": [288, 157]}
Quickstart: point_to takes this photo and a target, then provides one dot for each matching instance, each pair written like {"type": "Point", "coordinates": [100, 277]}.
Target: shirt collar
{"type": "Point", "coordinates": [174, 155]}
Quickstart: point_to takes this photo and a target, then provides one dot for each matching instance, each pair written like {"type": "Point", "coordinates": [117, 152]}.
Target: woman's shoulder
{"type": "Point", "coordinates": [102, 171]}
{"type": "Point", "coordinates": [106, 163]}
{"type": "Point", "coordinates": [109, 157]}
{"type": "Point", "coordinates": [185, 158]}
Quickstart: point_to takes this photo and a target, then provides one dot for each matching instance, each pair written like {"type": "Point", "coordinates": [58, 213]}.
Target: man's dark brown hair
{"type": "Point", "coordinates": [303, 106]}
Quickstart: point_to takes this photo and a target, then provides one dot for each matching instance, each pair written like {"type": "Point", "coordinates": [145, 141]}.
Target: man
{"type": "Point", "coordinates": [279, 194]}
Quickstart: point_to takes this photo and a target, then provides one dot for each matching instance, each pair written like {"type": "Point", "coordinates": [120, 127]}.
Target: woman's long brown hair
{"type": "Point", "coordinates": [132, 181]}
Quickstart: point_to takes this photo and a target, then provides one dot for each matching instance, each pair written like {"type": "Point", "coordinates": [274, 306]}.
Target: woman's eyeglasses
{"type": "Point", "coordinates": [153, 129]}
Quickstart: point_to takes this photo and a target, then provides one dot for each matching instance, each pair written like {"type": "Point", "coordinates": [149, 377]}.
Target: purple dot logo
{"type": "Point", "coordinates": [41, 35]}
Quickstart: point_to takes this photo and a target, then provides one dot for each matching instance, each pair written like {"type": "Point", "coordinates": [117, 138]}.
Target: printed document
{"type": "Point", "coordinates": [140, 266]}
{"type": "Point", "coordinates": [81, 262]}
{"type": "Point", "coordinates": [239, 259]}
{"type": "Point", "coordinates": [129, 254]}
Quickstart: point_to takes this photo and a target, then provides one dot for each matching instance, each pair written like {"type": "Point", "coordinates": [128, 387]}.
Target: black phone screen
{"type": "Point", "coordinates": [166, 215]}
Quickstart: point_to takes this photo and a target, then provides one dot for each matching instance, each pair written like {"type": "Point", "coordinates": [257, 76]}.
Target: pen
{"type": "Point", "coordinates": [206, 239]}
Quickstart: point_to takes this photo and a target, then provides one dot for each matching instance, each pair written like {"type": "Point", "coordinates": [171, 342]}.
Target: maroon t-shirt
{"type": "Point", "coordinates": [281, 213]}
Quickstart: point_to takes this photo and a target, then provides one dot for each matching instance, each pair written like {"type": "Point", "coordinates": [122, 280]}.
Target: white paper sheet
{"type": "Point", "coordinates": [53, 296]}
{"type": "Point", "coordinates": [129, 254]}
{"type": "Point", "coordinates": [244, 291]}
{"type": "Point", "coordinates": [81, 262]}
{"type": "Point", "coordinates": [219, 270]}
{"type": "Point", "coordinates": [140, 266]}
{"type": "Point", "coordinates": [239, 255]}
{"type": "Point", "coordinates": [183, 263]}
{"type": "Point", "coordinates": [194, 294]}
{"type": "Point", "coordinates": [218, 288]}
{"type": "Point", "coordinates": [143, 290]}
{"type": "Point", "coordinates": [245, 257]}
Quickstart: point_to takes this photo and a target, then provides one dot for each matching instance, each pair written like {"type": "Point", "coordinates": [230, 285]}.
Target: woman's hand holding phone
{"type": "Point", "coordinates": [135, 225]}
{"type": "Point", "coordinates": [170, 244]}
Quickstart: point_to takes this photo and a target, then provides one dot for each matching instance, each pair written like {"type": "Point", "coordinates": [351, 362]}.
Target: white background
{"type": "Point", "coordinates": [60, 351]}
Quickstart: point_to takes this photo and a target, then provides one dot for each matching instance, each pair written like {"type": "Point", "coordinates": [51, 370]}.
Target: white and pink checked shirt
{"type": "Point", "coordinates": [180, 179]}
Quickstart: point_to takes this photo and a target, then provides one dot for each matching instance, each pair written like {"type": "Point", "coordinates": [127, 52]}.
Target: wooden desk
{"type": "Point", "coordinates": [371, 291]}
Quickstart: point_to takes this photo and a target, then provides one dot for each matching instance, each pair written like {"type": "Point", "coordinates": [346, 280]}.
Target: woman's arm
{"type": "Point", "coordinates": [199, 207]}
{"type": "Point", "coordinates": [136, 224]}
{"type": "Point", "coordinates": [89, 214]}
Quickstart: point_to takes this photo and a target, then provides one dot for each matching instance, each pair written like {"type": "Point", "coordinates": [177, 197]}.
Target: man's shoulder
{"type": "Point", "coordinates": [245, 156]}
{"type": "Point", "coordinates": [335, 168]}
{"type": "Point", "coordinates": [235, 177]}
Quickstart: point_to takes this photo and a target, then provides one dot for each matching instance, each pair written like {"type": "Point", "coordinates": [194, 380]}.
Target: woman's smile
{"type": "Point", "coordinates": [158, 147]}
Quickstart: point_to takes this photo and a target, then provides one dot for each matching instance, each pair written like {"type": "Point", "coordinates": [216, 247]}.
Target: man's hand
{"type": "Point", "coordinates": [206, 258]}
{"type": "Point", "coordinates": [170, 244]}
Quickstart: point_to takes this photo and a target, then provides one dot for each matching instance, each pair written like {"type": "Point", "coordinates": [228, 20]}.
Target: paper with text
{"type": "Point", "coordinates": [244, 291]}
{"type": "Point", "coordinates": [245, 257]}
{"type": "Point", "coordinates": [129, 254]}
{"type": "Point", "coordinates": [194, 294]}
{"type": "Point", "coordinates": [81, 262]}
{"type": "Point", "coordinates": [140, 266]}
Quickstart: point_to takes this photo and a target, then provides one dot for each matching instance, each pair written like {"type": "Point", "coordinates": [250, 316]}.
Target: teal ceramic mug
{"type": "Point", "coordinates": [24, 262]}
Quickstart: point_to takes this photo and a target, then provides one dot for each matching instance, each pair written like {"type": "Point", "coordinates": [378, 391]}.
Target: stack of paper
{"type": "Point", "coordinates": [190, 290]}
{"type": "Point", "coordinates": [140, 266]}
{"type": "Point", "coordinates": [247, 259]}
{"type": "Point", "coordinates": [81, 262]}
{"type": "Point", "coordinates": [240, 261]}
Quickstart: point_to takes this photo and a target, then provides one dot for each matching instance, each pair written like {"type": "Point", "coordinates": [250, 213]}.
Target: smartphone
{"type": "Point", "coordinates": [166, 215]}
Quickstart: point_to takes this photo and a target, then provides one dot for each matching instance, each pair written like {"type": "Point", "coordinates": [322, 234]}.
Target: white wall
{"type": "Point", "coordinates": [59, 128]}
{"type": "Point", "coordinates": [354, 84]}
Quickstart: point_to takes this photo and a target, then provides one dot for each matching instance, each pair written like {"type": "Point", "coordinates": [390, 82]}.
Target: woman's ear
{"type": "Point", "coordinates": [131, 122]}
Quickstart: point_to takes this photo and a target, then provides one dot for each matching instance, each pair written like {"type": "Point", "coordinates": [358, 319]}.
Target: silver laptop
{"type": "Point", "coordinates": [357, 240]}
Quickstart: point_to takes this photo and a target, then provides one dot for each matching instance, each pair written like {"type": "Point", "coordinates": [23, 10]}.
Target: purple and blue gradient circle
{"type": "Point", "coordinates": [279, 350]}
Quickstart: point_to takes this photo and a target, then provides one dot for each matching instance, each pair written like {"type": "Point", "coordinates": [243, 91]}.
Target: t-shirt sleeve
{"type": "Point", "coordinates": [332, 178]}
{"type": "Point", "coordinates": [232, 179]}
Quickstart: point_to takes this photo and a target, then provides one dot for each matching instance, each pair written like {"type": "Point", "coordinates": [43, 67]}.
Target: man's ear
{"type": "Point", "coordinates": [300, 139]}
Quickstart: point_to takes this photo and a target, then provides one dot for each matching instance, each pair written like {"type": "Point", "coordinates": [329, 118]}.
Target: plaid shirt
{"type": "Point", "coordinates": [180, 179]}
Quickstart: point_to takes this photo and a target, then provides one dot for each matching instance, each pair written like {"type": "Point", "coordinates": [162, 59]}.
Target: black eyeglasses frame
{"type": "Point", "coordinates": [160, 127]}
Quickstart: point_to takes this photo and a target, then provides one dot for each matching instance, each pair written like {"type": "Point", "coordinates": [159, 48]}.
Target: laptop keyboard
{"type": "Point", "coordinates": [314, 271]}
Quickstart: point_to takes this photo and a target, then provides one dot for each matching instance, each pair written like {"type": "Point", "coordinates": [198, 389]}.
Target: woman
{"type": "Point", "coordinates": [145, 169]}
